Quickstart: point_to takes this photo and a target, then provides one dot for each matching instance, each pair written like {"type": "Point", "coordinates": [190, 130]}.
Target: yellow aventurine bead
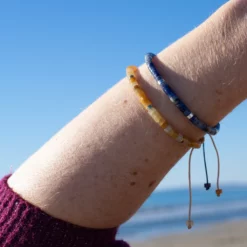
{"type": "Point", "coordinates": [174, 135]}
{"type": "Point", "coordinates": [151, 111]}
{"type": "Point", "coordinates": [156, 116]}
{"type": "Point", "coordinates": [192, 144]}
{"type": "Point", "coordinates": [164, 124]}
{"type": "Point", "coordinates": [132, 79]}
{"type": "Point", "coordinates": [142, 96]}
{"type": "Point", "coordinates": [140, 92]}
{"type": "Point", "coordinates": [169, 130]}
{"type": "Point", "coordinates": [180, 138]}
{"type": "Point", "coordinates": [131, 70]}
{"type": "Point", "coordinates": [197, 144]}
{"type": "Point", "coordinates": [134, 84]}
{"type": "Point", "coordinates": [145, 102]}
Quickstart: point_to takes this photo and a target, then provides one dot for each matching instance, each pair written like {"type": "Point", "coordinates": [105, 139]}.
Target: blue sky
{"type": "Point", "coordinates": [57, 57]}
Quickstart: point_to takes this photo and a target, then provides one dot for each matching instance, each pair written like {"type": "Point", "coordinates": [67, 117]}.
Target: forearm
{"type": "Point", "coordinates": [101, 167]}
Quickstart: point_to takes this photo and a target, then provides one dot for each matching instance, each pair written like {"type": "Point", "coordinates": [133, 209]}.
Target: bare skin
{"type": "Point", "coordinates": [98, 170]}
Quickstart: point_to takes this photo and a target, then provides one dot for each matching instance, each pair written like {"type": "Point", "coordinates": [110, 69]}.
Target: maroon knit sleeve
{"type": "Point", "coordinates": [24, 225]}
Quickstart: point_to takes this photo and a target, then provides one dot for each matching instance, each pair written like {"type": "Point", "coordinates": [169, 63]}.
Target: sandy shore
{"type": "Point", "coordinates": [232, 234]}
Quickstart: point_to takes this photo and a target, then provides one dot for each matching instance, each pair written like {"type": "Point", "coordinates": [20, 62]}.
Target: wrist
{"type": "Point", "coordinates": [162, 102]}
{"type": "Point", "coordinates": [200, 70]}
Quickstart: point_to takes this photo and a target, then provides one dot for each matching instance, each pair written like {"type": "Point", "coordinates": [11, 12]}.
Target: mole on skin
{"type": "Point", "coordinates": [151, 183]}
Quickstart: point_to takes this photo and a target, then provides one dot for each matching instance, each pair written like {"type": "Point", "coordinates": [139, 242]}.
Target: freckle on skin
{"type": "Point", "coordinates": [146, 160]}
{"type": "Point", "coordinates": [223, 33]}
{"type": "Point", "coordinates": [218, 92]}
{"type": "Point", "coordinates": [125, 101]}
{"type": "Point", "coordinates": [151, 183]}
{"type": "Point", "coordinates": [134, 173]}
{"type": "Point", "coordinates": [133, 183]}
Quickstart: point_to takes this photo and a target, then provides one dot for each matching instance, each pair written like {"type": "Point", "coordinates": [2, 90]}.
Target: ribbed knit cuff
{"type": "Point", "coordinates": [24, 225]}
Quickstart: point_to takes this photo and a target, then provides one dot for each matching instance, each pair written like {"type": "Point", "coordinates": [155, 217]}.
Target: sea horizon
{"type": "Point", "coordinates": [166, 211]}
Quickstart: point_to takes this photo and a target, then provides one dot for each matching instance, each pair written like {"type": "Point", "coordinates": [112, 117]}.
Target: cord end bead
{"type": "Point", "coordinates": [219, 192]}
{"type": "Point", "coordinates": [207, 186]}
{"type": "Point", "coordinates": [189, 224]}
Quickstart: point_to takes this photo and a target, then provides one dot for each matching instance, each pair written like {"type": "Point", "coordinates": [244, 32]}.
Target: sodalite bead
{"type": "Point", "coordinates": [176, 101]}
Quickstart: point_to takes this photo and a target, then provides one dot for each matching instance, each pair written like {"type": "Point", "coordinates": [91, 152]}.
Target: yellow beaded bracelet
{"type": "Point", "coordinates": [154, 113]}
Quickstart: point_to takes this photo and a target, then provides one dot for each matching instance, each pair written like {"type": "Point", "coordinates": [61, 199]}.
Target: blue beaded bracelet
{"type": "Point", "coordinates": [176, 101]}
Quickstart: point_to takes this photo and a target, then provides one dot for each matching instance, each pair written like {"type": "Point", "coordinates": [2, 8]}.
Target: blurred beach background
{"type": "Point", "coordinates": [57, 57]}
{"type": "Point", "coordinates": [162, 218]}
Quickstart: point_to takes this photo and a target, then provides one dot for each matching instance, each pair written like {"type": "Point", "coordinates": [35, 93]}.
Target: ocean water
{"type": "Point", "coordinates": [166, 212]}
